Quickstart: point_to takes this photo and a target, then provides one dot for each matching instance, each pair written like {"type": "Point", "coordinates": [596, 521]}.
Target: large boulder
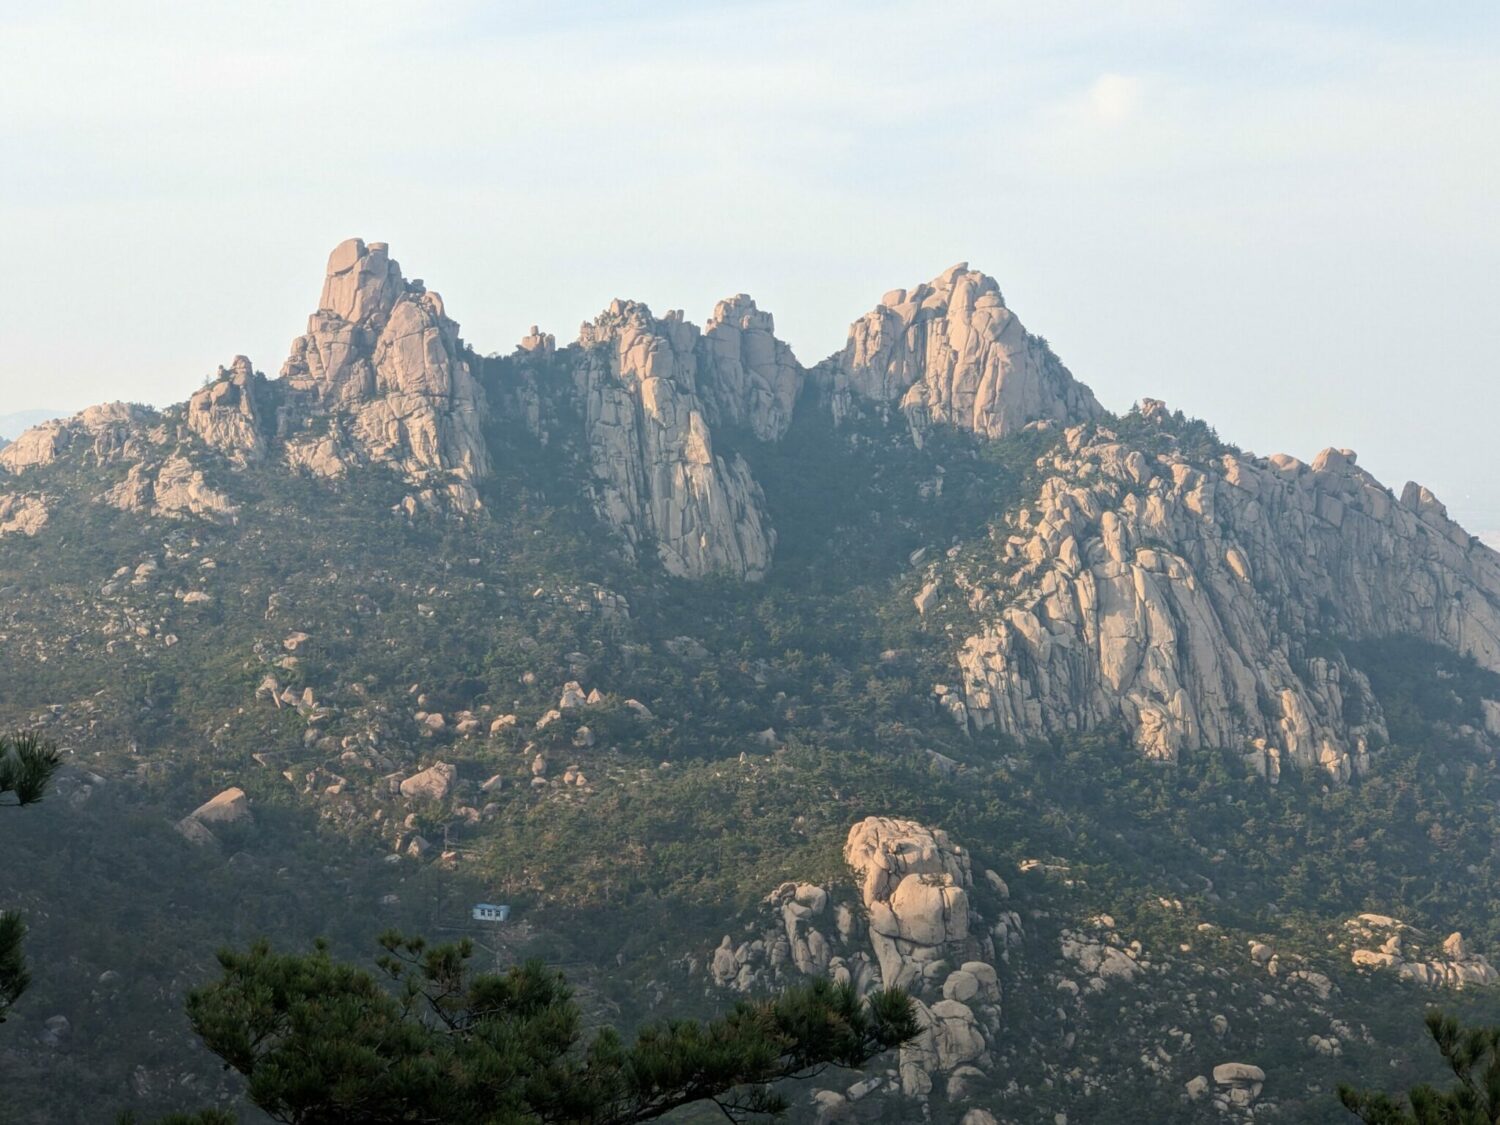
{"type": "Point", "coordinates": [22, 515]}
{"type": "Point", "coordinates": [1241, 1082]}
{"type": "Point", "coordinates": [432, 784]}
{"type": "Point", "coordinates": [229, 807]}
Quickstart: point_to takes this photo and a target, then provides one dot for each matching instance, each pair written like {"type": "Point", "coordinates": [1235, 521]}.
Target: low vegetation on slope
{"type": "Point", "coordinates": [638, 760]}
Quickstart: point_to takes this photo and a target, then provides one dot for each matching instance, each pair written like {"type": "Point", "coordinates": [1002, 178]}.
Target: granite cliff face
{"type": "Point", "coordinates": [648, 439]}
{"type": "Point", "coordinates": [383, 364]}
{"type": "Point", "coordinates": [950, 353]}
{"type": "Point", "coordinates": [1184, 600]}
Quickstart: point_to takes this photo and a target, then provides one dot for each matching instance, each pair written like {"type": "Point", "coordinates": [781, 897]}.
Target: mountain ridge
{"type": "Point", "coordinates": [1159, 750]}
{"type": "Point", "coordinates": [1180, 592]}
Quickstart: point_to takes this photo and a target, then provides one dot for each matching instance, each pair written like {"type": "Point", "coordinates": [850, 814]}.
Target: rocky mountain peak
{"type": "Point", "coordinates": [750, 378]}
{"type": "Point", "coordinates": [537, 342]}
{"type": "Point", "coordinates": [647, 432]}
{"type": "Point", "coordinates": [950, 352]}
{"type": "Point", "coordinates": [384, 361]}
{"type": "Point", "coordinates": [362, 283]}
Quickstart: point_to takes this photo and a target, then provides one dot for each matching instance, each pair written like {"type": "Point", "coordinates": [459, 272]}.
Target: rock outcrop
{"type": "Point", "coordinates": [383, 365]}
{"type": "Point", "coordinates": [1385, 944]}
{"type": "Point", "coordinates": [913, 927]}
{"type": "Point", "coordinates": [950, 353]}
{"type": "Point", "coordinates": [233, 412]}
{"type": "Point", "coordinates": [913, 884]}
{"type": "Point", "coordinates": [1181, 598]}
{"type": "Point", "coordinates": [172, 488]}
{"type": "Point", "coordinates": [103, 434]}
{"type": "Point", "coordinates": [657, 478]}
{"type": "Point", "coordinates": [22, 514]}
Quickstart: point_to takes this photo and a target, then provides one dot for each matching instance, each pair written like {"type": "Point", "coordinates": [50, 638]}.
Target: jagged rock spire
{"type": "Point", "coordinates": [382, 355]}
{"type": "Point", "coordinates": [749, 377]}
{"type": "Point", "coordinates": [647, 432]}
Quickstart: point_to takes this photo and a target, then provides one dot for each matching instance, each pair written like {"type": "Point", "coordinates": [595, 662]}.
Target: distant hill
{"type": "Point", "coordinates": [13, 425]}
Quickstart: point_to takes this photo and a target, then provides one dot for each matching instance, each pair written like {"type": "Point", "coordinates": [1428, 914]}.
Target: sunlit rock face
{"type": "Point", "coordinates": [951, 353]}
{"type": "Point", "coordinates": [1182, 601]}
{"type": "Point", "coordinates": [233, 413]}
{"type": "Point", "coordinates": [910, 926]}
{"type": "Point", "coordinates": [382, 361]}
{"type": "Point", "coordinates": [102, 434]}
{"type": "Point", "coordinates": [746, 376]}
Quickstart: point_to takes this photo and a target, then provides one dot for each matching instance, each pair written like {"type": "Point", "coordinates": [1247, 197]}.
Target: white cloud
{"type": "Point", "coordinates": [1115, 97]}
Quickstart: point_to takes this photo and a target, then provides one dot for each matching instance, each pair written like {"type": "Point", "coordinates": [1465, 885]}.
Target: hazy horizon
{"type": "Point", "coordinates": [1278, 221]}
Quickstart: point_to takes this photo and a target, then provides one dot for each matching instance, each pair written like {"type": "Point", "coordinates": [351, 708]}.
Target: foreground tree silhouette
{"type": "Point", "coordinates": [1473, 1053]}
{"type": "Point", "coordinates": [27, 763]}
{"type": "Point", "coordinates": [325, 1043]}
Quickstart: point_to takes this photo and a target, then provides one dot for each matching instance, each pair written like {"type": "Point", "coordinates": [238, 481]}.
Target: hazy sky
{"type": "Point", "coordinates": [1283, 217]}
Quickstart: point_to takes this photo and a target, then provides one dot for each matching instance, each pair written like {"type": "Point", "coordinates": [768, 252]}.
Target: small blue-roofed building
{"type": "Point", "coordinates": [490, 912]}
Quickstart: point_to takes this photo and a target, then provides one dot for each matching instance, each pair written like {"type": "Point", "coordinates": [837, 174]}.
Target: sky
{"type": "Point", "coordinates": [1281, 217]}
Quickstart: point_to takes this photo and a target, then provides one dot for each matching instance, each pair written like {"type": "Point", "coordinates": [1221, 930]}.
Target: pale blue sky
{"type": "Point", "coordinates": [1279, 216]}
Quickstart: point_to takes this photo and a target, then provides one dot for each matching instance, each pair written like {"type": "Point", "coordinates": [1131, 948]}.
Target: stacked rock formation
{"type": "Point", "coordinates": [383, 361]}
{"type": "Point", "coordinates": [1179, 599]}
{"type": "Point", "coordinates": [911, 927]}
{"type": "Point", "coordinates": [1385, 944]}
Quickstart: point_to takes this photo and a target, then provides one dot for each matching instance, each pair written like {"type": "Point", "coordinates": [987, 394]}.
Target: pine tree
{"type": "Point", "coordinates": [27, 763]}
{"type": "Point", "coordinates": [320, 1042]}
{"type": "Point", "coordinates": [1472, 1053]}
